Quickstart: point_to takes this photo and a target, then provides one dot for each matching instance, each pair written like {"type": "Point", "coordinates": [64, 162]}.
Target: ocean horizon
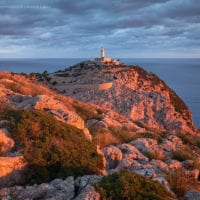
{"type": "Point", "coordinates": [180, 74]}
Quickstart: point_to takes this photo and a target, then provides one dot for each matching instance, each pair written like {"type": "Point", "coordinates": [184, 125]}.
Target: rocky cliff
{"type": "Point", "coordinates": [128, 90]}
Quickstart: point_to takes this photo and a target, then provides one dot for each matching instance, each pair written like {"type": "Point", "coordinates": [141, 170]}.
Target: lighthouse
{"type": "Point", "coordinates": [102, 52]}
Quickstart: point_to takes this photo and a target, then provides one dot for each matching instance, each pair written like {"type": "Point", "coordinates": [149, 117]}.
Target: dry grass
{"type": "Point", "coordinates": [183, 153]}
{"type": "Point", "coordinates": [110, 135]}
{"type": "Point", "coordinates": [179, 182]}
{"type": "Point", "coordinates": [20, 84]}
{"type": "Point", "coordinates": [155, 154]}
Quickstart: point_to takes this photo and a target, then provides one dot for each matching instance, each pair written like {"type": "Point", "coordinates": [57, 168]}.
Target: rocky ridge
{"type": "Point", "coordinates": [128, 90]}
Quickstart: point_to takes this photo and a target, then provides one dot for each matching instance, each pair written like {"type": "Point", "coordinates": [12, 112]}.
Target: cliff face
{"type": "Point", "coordinates": [130, 91]}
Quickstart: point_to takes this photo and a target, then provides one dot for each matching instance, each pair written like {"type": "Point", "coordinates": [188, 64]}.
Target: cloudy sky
{"type": "Point", "coordinates": [79, 28]}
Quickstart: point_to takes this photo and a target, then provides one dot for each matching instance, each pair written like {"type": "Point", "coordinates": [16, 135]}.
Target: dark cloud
{"type": "Point", "coordinates": [60, 25]}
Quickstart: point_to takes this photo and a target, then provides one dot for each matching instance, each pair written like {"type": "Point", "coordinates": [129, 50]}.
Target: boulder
{"type": "Point", "coordinates": [143, 144]}
{"type": "Point", "coordinates": [173, 164]}
{"type": "Point", "coordinates": [130, 152]}
{"type": "Point", "coordinates": [148, 172]}
{"type": "Point", "coordinates": [6, 143]}
{"type": "Point", "coordinates": [85, 189]}
{"type": "Point", "coordinates": [159, 165]}
{"type": "Point", "coordinates": [11, 170]}
{"type": "Point", "coordinates": [83, 181]}
{"type": "Point", "coordinates": [113, 156]}
{"type": "Point", "coordinates": [193, 174]}
{"type": "Point", "coordinates": [32, 192]}
{"type": "Point", "coordinates": [59, 189]}
{"type": "Point", "coordinates": [192, 195]}
{"type": "Point", "coordinates": [88, 193]}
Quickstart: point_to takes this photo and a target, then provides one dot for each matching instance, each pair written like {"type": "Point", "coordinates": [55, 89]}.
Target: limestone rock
{"type": "Point", "coordinates": [113, 156]}
{"type": "Point", "coordinates": [61, 190]}
{"type": "Point", "coordinates": [88, 193]}
{"type": "Point", "coordinates": [61, 111]}
{"type": "Point", "coordinates": [143, 144]}
{"type": "Point", "coordinates": [6, 143]}
{"type": "Point", "coordinates": [173, 164]}
{"type": "Point", "coordinates": [83, 181]}
{"type": "Point", "coordinates": [159, 165]}
{"type": "Point", "coordinates": [56, 190]}
{"type": "Point", "coordinates": [130, 152]}
{"type": "Point", "coordinates": [33, 192]}
{"type": "Point", "coordinates": [192, 195]}
{"type": "Point", "coordinates": [11, 170]}
{"type": "Point", "coordinates": [193, 174]}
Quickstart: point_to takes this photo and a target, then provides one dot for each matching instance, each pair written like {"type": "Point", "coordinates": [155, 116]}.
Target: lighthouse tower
{"type": "Point", "coordinates": [102, 52]}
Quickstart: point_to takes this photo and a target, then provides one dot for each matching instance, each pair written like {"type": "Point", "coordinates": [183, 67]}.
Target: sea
{"type": "Point", "coordinates": [182, 75]}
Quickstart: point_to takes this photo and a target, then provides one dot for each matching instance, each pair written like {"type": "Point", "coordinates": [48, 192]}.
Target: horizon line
{"type": "Point", "coordinates": [94, 57]}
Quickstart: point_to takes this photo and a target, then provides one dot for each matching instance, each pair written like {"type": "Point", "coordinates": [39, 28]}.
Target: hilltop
{"type": "Point", "coordinates": [80, 132]}
{"type": "Point", "coordinates": [129, 90]}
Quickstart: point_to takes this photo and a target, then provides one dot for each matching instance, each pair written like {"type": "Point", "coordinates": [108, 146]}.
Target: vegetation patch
{"type": "Point", "coordinates": [179, 182]}
{"type": "Point", "coordinates": [182, 154]}
{"type": "Point", "coordinates": [20, 84]}
{"type": "Point", "coordinates": [159, 136]}
{"type": "Point", "coordinates": [126, 185]}
{"type": "Point", "coordinates": [190, 139]}
{"type": "Point", "coordinates": [87, 112]}
{"type": "Point", "coordinates": [52, 148]}
{"type": "Point", "coordinates": [154, 154]}
{"type": "Point", "coordinates": [111, 135]}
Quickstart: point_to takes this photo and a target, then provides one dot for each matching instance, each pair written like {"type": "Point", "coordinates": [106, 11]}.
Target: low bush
{"type": "Point", "coordinates": [123, 134]}
{"type": "Point", "coordinates": [183, 153]}
{"type": "Point", "coordinates": [111, 135]}
{"type": "Point", "coordinates": [51, 148]}
{"type": "Point", "coordinates": [179, 182]}
{"type": "Point", "coordinates": [126, 185]}
{"type": "Point", "coordinates": [190, 139]}
{"type": "Point", "coordinates": [86, 112]}
{"type": "Point", "coordinates": [155, 154]}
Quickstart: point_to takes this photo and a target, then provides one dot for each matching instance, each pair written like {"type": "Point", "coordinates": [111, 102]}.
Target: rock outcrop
{"type": "Point", "coordinates": [11, 170]}
{"type": "Point", "coordinates": [131, 91]}
{"type": "Point", "coordinates": [192, 195]}
{"type": "Point", "coordinates": [58, 189]}
{"type": "Point", "coordinates": [6, 143]}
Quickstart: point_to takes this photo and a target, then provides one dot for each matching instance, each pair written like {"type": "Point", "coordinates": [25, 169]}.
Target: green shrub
{"type": "Point", "coordinates": [126, 185]}
{"type": "Point", "coordinates": [51, 148]}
